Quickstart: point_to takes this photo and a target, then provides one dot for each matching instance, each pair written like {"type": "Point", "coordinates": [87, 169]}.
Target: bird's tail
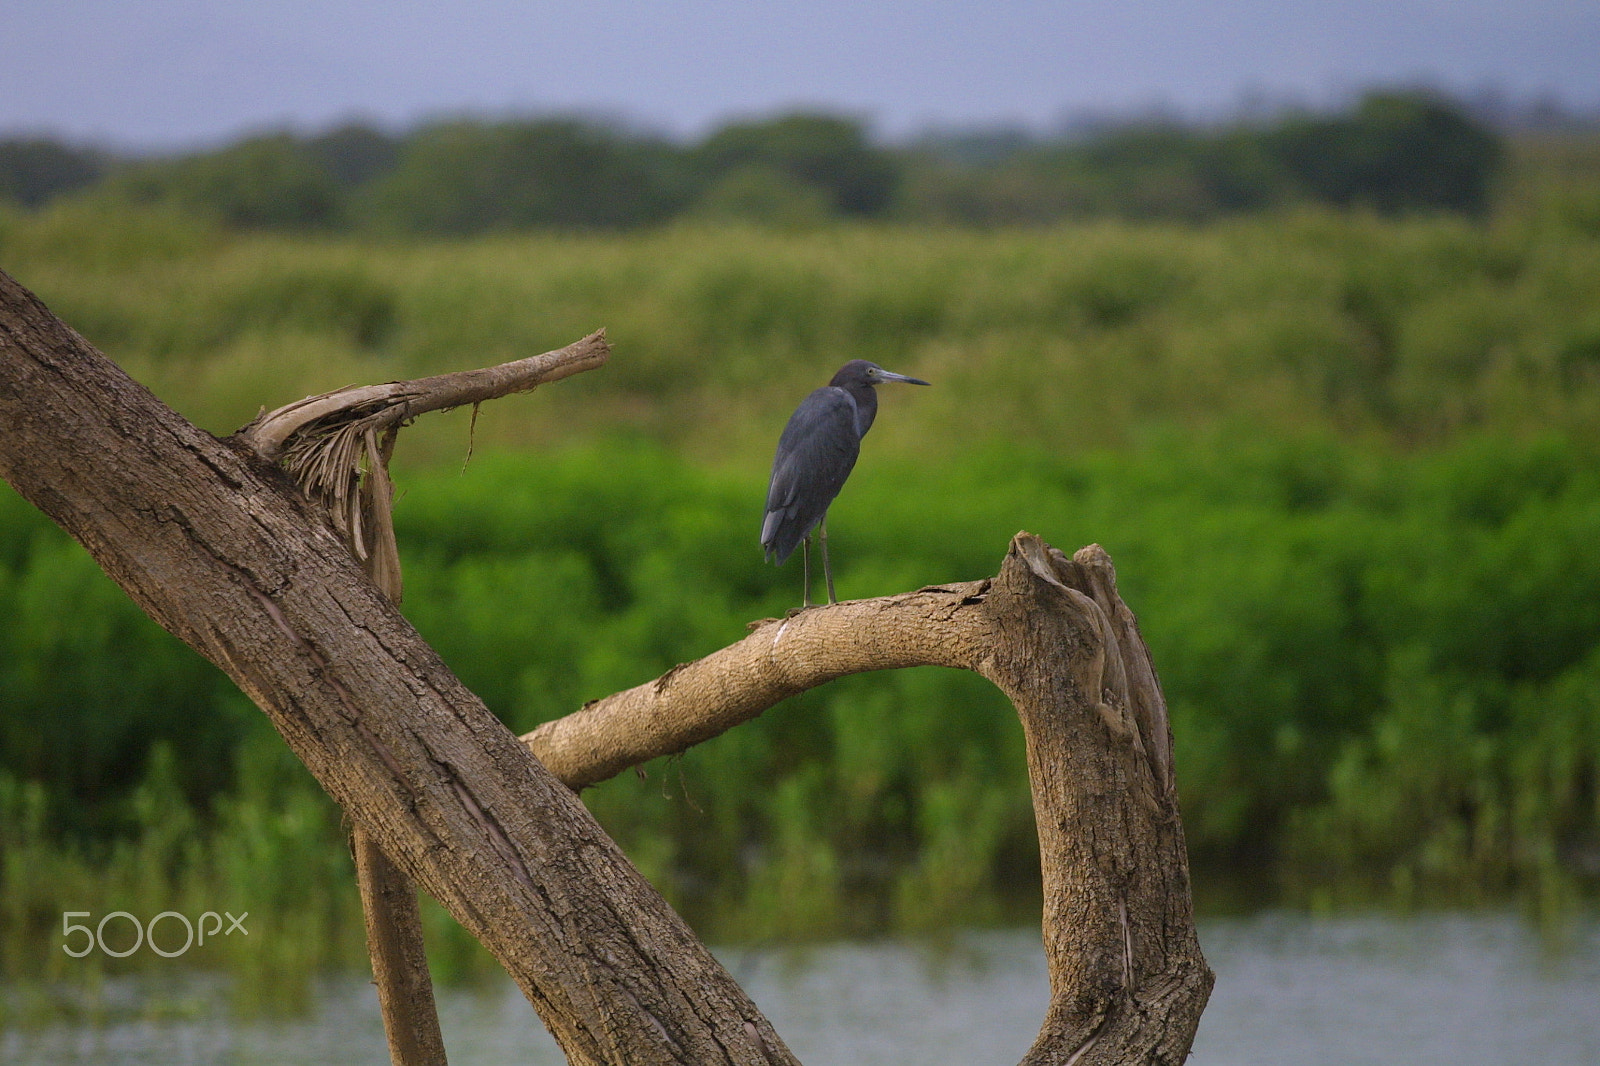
{"type": "Point", "coordinates": [771, 541]}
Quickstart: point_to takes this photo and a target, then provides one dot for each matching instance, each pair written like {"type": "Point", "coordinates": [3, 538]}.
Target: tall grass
{"type": "Point", "coordinates": [1067, 337]}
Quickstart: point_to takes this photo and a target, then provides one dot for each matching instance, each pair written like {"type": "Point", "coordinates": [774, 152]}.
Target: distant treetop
{"type": "Point", "coordinates": [1392, 152]}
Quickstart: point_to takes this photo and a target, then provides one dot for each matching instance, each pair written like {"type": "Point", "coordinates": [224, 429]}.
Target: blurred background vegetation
{"type": "Point", "coordinates": [1391, 152]}
{"type": "Point", "coordinates": [1327, 387]}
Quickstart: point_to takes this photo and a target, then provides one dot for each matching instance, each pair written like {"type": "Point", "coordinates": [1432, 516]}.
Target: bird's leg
{"type": "Point", "coordinates": [827, 567]}
{"type": "Point", "coordinates": [805, 558]}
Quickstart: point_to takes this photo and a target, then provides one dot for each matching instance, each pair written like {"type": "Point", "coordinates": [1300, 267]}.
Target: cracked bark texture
{"type": "Point", "coordinates": [389, 908]}
{"type": "Point", "coordinates": [219, 548]}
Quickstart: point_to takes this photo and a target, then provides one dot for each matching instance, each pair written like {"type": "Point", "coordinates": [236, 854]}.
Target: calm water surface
{"type": "Point", "coordinates": [1447, 989]}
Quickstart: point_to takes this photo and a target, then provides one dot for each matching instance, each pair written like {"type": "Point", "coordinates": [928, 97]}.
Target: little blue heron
{"type": "Point", "coordinates": [816, 453]}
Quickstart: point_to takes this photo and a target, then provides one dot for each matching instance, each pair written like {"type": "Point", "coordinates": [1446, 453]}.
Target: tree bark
{"type": "Point", "coordinates": [1128, 981]}
{"type": "Point", "coordinates": [219, 548]}
{"type": "Point", "coordinates": [399, 957]}
{"type": "Point", "coordinates": [337, 447]}
{"type": "Point", "coordinates": [389, 909]}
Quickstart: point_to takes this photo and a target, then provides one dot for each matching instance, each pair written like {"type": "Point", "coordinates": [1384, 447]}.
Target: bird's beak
{"type": "Point", "coordinates": [889, 375]}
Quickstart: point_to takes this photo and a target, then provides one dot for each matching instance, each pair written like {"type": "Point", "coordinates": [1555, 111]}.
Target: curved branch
{"type": "Point", "coordinates": [695, 701]}
{"type": "Point", "coordinates": [221, 552]}
{"type": "Point", "coordinates": [1128, 981]}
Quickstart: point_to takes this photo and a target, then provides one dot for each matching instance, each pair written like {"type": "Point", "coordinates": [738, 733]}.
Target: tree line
{"type": "Point", "coordinates": [1393, 152]}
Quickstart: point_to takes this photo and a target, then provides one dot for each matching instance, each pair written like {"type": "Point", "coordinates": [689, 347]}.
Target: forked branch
{"type": "Point", "coordinates": [220, 552]}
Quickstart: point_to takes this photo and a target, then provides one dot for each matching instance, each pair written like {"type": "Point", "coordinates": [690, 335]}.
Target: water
{"type": "Point", "coordinates": [1445, 989]}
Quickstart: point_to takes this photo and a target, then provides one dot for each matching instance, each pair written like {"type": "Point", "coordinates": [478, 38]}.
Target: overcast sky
{"type": "Point", "coordinates": [180, 73]}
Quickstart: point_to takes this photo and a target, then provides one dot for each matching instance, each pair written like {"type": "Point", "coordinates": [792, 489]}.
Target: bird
{"type": "Point", "coordinates": [816, 452]}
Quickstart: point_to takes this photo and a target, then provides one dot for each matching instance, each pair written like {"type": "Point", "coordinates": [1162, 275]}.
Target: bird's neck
{"type": "Point", "coordinates": [866, 398]}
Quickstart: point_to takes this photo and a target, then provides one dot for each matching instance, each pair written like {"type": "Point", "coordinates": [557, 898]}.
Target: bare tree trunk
{"type": "Point", "coordinates": [221, 549]}
{"type": "Point", "coordinates": [216, 546]}
{"type": "Point", "coordinates": [337, 447]}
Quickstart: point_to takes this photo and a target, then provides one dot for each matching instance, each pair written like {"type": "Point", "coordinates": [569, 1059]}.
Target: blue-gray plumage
{"type": "Point", "coordinates": [816, 453]}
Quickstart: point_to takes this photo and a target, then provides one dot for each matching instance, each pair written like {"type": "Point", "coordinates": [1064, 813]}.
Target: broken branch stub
{"type": "Point", "coordinates": [337, 445]}
{"type": "Point", "coordinates": [1127, 977]}
{"type": "Point", "coordinates": [380, 406]}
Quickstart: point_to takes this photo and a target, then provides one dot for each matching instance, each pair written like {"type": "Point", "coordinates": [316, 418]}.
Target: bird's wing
{"type": "Point", "coordinates": [816, 453]}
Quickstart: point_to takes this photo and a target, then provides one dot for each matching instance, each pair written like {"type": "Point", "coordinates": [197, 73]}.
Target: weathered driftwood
{"type": "Point", "coordinates": [382, 406]}
{"type": "Point", "coordinates": [337, 445]}
{"type": "Point", "coordinates": [1128, 981]}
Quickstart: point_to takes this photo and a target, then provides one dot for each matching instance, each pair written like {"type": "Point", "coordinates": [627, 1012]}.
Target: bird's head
{"type": "Point", "coordinates": [865, 372]}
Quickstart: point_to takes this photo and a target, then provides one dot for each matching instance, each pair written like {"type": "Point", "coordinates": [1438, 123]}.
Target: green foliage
{"type": "Point", "coordinates": [1397, 152]}
{"type": "Point", "coordinates": [821, 152]}
{"type": "Point", "coordinates": [1380, 670]}
{"type": "Point", "coordinates": [1394, 152]}
{"type": "Point", "coordinates": [345, 302]}
{"type": "Point", "coordinates": [270, 850]}
{"type": "Point", "coordinates": [466, 177]}
{"type": "Point", "coordinates": [764, 195]}
{"type": "Point", "coordinates": [1346, 466]}
{"type": "Point", "coordinates": [355, 154]}
{"type": "Point", "coordinates": [1159, 170]}
{"type": "Point", "coordinates": [89, 685]}
{"type": "Point", "coordinates": [269, 182]}
{"type": "Point", "coordinates": [35, 170]}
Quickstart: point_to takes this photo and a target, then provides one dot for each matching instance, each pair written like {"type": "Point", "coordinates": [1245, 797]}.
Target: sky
{"type": "Point", "coordinates": [173, 74]}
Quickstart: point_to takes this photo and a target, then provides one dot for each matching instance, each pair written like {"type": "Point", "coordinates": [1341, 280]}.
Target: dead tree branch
{"type": "Point", "coordinates": [377, 407]}
{"type": "Point", "coordinates": [696, 701]}
{"type": "Point", "coordinates": [337, 446]}
{"type": "Point", "coordinates": [1128, 981]}
{"type": "Point", "coordinates": [221, 549]}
